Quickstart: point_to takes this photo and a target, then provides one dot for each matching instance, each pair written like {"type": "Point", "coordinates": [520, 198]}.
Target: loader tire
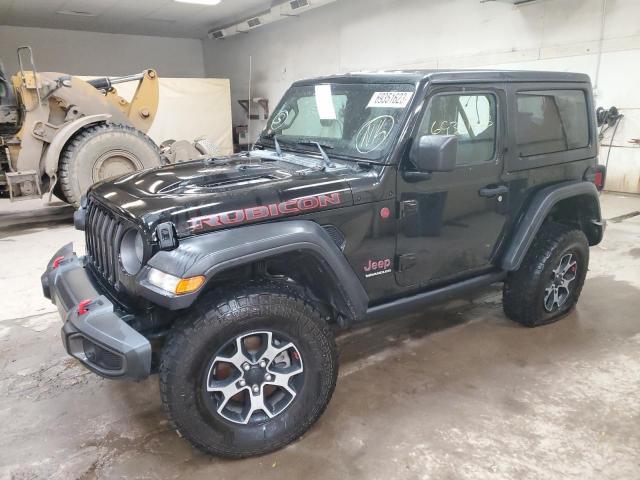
{"type": "Point", "coordinates": [57, 191]}
{"type": "Point", "coordinates": [103, 151]}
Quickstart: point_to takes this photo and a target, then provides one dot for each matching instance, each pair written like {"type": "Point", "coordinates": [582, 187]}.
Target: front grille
{"type": "Point", "coordinates": [103, 233]}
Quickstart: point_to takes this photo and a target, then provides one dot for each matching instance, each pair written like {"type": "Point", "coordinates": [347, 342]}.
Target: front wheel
{"type": "Point", "coordinates": [99, 152]}
{"type": "Point", "coordinates": [248, 372]}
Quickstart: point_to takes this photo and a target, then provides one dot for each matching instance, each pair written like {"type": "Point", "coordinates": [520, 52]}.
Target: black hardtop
{"type": "Point", "coordinates": [450, 76]}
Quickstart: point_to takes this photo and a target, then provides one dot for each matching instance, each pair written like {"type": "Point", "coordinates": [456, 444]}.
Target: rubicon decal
{"type": "Point", "coordinates": [273, 210]}
{"type": "Point", "coordinates": [377, 267]}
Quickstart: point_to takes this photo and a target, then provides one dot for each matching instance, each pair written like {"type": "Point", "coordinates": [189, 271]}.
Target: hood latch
{"type": "Point", "coordinates": [167, 239]}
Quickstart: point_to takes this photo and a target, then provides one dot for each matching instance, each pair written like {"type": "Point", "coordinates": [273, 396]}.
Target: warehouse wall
{"type": "Point", "coordinates": [382, 34]}
{"type": "Point", "coordinates": [90, 53]}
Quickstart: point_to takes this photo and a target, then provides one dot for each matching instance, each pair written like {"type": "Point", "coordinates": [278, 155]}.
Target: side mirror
{"type": "Point", "coordinates": [435, 153]}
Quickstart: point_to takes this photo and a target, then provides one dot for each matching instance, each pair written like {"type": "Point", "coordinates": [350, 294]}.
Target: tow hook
{"type": "Point", "coordinates": [57, 261]}
{"type": "Point", "coordinates": [83, 306]}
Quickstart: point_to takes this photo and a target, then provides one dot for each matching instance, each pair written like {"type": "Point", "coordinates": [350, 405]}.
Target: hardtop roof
{"type": "Point", "coordinates": [450, 76]}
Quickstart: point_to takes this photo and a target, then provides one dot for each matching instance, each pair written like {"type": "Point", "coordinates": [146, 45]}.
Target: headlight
{"type": "Point", "coordinates": [132, 251]}
{"type": "Point", "coordinates": [175, 285]}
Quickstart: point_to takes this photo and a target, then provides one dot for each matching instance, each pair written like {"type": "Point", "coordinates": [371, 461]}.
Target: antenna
{"type": "Point", "coordinates": [249, 109]}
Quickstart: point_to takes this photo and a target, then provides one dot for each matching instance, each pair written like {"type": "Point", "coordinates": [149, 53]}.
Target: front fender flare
{"type": "Point", "coordinates": [536, 213]}
{"type": "Point", "coordinates": [211, 253]}
{"type": "Point", "coordinates": [52, 155]}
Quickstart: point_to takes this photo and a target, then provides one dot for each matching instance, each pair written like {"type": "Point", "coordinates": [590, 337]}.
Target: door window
{"type": "Point", "coordinates": [470, 117]}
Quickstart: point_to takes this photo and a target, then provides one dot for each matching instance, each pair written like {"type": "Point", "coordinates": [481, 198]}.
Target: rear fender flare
{"type": "Point", "coordinates": [537, 211]}
{"type": "Point", "coordinates": [212, 253]}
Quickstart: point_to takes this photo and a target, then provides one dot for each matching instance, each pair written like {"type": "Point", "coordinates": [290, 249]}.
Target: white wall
{"type": "Point", "coordinates": [90, 53]}
{"type": "Point", "coordinates": [385, 34]}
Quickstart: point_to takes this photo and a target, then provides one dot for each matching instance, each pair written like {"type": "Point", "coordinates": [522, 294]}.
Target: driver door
{"type": "Point", "coordinates": [450, 222]}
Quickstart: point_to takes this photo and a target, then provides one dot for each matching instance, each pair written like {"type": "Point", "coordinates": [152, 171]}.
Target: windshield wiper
{"type": "Point", "coordinates": [276, 144]}
{"type": "Point", "coordinates": [322, 147]}
{"type": "Point", "coordinates": [327, 161]}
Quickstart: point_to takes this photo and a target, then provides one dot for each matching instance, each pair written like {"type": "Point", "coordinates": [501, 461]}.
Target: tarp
{"type": "Point", "coordinates": [190, 108]}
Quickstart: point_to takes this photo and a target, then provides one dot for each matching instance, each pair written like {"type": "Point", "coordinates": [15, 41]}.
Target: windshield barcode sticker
{"type": "Point", "coordinates": [390, 99]}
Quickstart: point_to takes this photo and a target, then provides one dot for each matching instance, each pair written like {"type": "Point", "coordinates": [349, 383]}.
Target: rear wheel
{"type": "Point", "coordinates": [100, 152]}
{"type": "Point", "coordinates": [248, 372]}
{"type": "Point", "coordinates": [548, 283]}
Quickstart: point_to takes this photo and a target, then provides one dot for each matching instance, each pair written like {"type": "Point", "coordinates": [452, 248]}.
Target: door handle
{"type": "Point", "coordinates": [491, 192]}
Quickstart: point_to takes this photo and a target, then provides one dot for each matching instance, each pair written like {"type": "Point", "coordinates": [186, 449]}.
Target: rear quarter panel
{"type": "Point", "coordinates": [525, 176]}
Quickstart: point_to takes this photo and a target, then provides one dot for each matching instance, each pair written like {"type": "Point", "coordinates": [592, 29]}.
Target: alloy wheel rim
{"type": "Point", "coordinates": [254, 377]}
{"type": "Point", "coordinates": [558, 290]}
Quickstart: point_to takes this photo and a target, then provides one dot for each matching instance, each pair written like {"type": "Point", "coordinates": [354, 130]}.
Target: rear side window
{"type": "Point", "coordinates": [551, 121]}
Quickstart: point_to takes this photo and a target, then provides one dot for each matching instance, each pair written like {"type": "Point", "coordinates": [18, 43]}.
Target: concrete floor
{"type": "Point", "coordinates": [454, 392]}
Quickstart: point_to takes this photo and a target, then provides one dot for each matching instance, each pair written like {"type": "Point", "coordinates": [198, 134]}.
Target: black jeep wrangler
{"type": "Point", "coordinates": [366, 195]}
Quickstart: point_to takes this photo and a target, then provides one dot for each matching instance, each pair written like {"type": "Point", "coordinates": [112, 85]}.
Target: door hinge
{"type": "Point", "coordinates": [405, 262]}
{"type": "Point", "coordinates": [408, 208]}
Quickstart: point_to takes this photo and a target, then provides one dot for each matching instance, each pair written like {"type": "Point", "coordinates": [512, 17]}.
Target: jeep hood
{"type": "Point", "coordinates": [207, 195]}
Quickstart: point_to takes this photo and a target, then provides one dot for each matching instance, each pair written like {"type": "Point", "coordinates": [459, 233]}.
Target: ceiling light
{"type": "Point", "coordinates": [77, 13]}
{"type": "Point", "coordinates": [200, 2]}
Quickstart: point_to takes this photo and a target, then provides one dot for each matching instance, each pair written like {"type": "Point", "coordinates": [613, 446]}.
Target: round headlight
{"type": "Point", "coordinates": [132, 251]}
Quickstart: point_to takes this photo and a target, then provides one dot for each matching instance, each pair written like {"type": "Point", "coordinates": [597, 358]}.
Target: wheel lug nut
{"type": "Point", "coordinates": [255, 389]}
{"type": "Point", "coordinates": [246, 366]}
{"type": "Point", "coordinates": [243, 382]}
{"type": "Point", "coordinates": [263, 363]}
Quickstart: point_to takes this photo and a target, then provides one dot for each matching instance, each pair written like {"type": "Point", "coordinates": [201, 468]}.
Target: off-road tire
{"type": "Point", "coordinates": [102, 151]}
{"type": "Point", "coordinates": [214, 321]}
{"type": "Point", "coordinates": [524, 289]}
{"type": "Point", "coordinates": [57, 191]}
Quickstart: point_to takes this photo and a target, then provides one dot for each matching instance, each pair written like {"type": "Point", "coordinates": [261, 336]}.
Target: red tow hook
{"type": "Point", "coordinates": [82, 306]}
{"type": "Point", "coordinates": [56, 262]}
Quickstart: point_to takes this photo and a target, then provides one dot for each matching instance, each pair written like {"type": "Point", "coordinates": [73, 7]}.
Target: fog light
{"type": "Point", "coordinates": [101, 357]}
{"type": "Point", "coordinates": [170, 283]}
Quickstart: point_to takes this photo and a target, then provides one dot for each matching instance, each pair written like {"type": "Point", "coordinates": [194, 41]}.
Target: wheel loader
{"type": "Point", "coordinates": [59, 134]}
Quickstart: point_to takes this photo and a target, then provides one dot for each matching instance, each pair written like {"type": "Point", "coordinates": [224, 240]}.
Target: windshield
{"type": "Point", "coordinates": [357, 120]}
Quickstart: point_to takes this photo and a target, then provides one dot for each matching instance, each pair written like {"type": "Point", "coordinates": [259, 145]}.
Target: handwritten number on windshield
{"type": "Point", "coordinates": [373, 133]}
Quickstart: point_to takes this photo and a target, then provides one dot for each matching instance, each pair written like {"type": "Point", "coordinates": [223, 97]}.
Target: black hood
{"type": "Point", "coordinates": [206, 195]}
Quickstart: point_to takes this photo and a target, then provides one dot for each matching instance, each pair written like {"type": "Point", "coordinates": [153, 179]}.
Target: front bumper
{"type": "Point", "coordinates": [93, 332]}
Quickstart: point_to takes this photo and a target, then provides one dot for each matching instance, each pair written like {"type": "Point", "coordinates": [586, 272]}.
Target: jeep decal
{"type": "Point", "coordinates": [377, 267]}
{"type": "Point", "coordinates": [273, 210]}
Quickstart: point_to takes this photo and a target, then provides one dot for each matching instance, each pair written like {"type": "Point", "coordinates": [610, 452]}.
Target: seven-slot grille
{"type": "Point", "coordinates": [103, 233]}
